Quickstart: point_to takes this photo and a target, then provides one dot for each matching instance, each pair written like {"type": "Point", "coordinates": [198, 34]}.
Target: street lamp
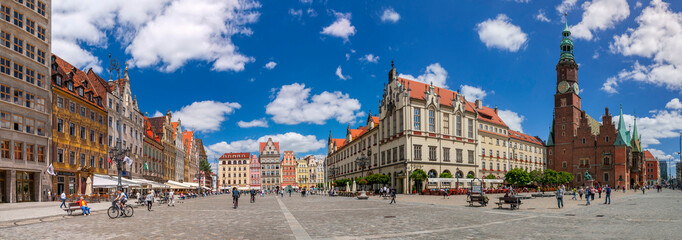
{"type": "Point", "coordinates": [362, 161]}
{"type": "Point", "coordinates": [198, 177]}
{"type": "Point", "coordinates": [119, 151]}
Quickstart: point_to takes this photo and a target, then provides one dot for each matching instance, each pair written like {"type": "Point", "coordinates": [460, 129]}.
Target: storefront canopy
{"type": "Point", "coordinates": [103, 181]}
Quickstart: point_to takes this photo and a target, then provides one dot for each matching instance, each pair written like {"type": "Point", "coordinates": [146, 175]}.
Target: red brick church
{"type": "Point", "coordinates": [578, 143]}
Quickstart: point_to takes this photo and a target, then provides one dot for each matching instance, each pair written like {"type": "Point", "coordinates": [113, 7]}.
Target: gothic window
{"type": "Point", "coordinates": [607, 161]}
{"type": "Point", "coordinates": [417, 119]}
{"type": "Point", "coordinates": [459, 124]}
{"type": "Point", "coordinates": [432, 120]}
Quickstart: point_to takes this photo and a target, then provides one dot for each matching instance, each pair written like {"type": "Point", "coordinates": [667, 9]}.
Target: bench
{"type": "Point", "coordinates": [73, 206]}
{"type": "Point", "coordinates": [514, 202]}
{"type": "Point", "coordinates": [481, 200]}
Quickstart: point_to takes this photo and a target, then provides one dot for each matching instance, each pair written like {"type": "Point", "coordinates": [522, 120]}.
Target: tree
{"type": "Point", "coordinates": [550, 177]}
{"type": "Point", "coordinates": [418, 176]}
{"type": "Point", "coordinates": [536, 176]}
{"type": "Point", "coordinates": [320, 185]}
{"type": "Point", "coordinates": [205, 166]}
{"type": "Point", "coordinates": [517, 177]}
{"type": "Point", "coordinates": [490, 177]}
{"type": "Point", "coordinates": [446, 175]}
{"type": "Point", "coordinates": [470, 175]}
{"type": "Point", "coordinates": [565, 178]}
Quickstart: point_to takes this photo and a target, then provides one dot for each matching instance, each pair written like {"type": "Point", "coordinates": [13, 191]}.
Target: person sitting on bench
{"type": "Point", "coordinates": [84, 206]}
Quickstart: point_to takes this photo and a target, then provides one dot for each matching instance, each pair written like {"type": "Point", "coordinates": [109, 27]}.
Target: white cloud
{"type": "Point", "coordinates": [162, 33]}
{"type": "Point", "coordinates": [658, 38]}
{"type": "Point", "coordinates": [370, 58]}
{"type": "Point", "coordinates": [341, 27]}
{"type": "Point", "coordinates": [390, 16]}
{"type": "Point", "coordinates": [157, 114]}
{"type": "Point", "coordinates": [565, 6]}
{"type": "Point", "coordinates": [501, 33]}
{"type": "Point", "coordinates": [674, 104]}
{"type": "Point", "coordinates": [293, 105]}
{"type": "Point", "coordinates": [472, 93]}
{"type": "Point", "coordinates": [661, 124]}
{"type": "Point", "coordinates": [270, 65]}
{"type": "Point", "coordinates": [295, 13]}
{"type": "Point", "coordinates": [661, 155]}
{"type": "Point", "coordinates": [600, 15]}
{"type": "Point", "coordinates": [340, 75]}
{"type": "Point", "coordinates": [254, 123]}
{"type": "Point", "coordinates": [541, 16]}
{"type": "Point", "coordinates": [311, 12]}
{"type": "Point", "coordinates": [204, 116]}
{"type": "Point", "coordinates": [434, 74]}
{"type": "Point", "coordinates": [610, 85]}
{"type": "Point", "coordinates": [307, 1]}
{"type": "Point", "coordinates": [347, 56]}
{"type": "Point", "coordinates": [290, 141]}
{"type": "Point", "coordinates": [638, 4]}
{"type": "Point", "coordinates": [522, 1]}
{"type": "Point", "coordinates": [512, 119]}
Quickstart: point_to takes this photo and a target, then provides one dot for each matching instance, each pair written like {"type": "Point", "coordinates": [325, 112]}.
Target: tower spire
{"type": "Point", "coordinates": [566, 43]}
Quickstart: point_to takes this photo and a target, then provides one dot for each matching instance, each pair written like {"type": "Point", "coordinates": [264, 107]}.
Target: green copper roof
{"type": "Point", "coordinates": [634, 141]}
{"type": "Point", "coordinates": [566, 45]}
{"type": "Point", "coordinates": [622, 137]}
{"type": "Point", "coordinates": [550, 139]}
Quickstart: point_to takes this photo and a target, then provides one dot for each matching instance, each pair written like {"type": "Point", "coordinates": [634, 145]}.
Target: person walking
{"type": "Point", "coordinates": [574, 195]}
{"type": "Point", "coordinates": [599, 190]}
{"type": "Point", "coordinates": [84, 206]}
{"type": "Point", "coordinates": [150, 199]}
{"type": "Point", "coordinates": [580, 192]}
{"type": "Point", "coordinates": [392, 197]}
{"type": "Point", "coordinates": [63, 197]}
{"type": "Point", "coordinates": [592, 192]}
{"type": "Point", "coordinates": [560, 197]}
{"type": "Point", "coordinates": [171, 198]}
{"type": "Point", "coordinates": [608, 195]}
{"type": "Point", "coordinates": [643, 190]}
{"type": "Point", "coordinates": [587, 196]}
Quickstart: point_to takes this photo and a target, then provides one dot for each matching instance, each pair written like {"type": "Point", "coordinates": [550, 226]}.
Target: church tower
{"type": "Point", "coordinates": [566, 100]}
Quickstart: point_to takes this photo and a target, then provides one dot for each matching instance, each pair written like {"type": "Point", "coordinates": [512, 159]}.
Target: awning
{"type": "Point", "coordinates": [150, 183]}
{"type": "Point", "coordinates": [103, 181]}
{"type": "Point", "coordinates": [178, 185]}
{"type": "Point", "coordinates": [255, 188]}
{"type": "Point", "coordinates": [242, 188]}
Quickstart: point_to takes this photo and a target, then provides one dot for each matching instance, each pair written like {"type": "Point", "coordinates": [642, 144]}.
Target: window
{"type": "Point", "coordinates": [30, 124]}
{"type": "Point", "coordinates": [18, 122]}
{"type": "Point", "coordinates": [446, 123]}
{"type": "Point", "coordinates": [606, 177]}
{"type": "Point", "coordinates": [30, 100]}
{"type": "Point", "coordinates": [18, 19]}
{"type": "Point", "coordinates": [30, 75]}
{"type": "Point", "coordinates": [5, 65]}
{"type": "Point", "coordinates": [18, 71]}
{"type": "Point", "coordinates": [483, 165]}
{"type": "Point", "coordinates": [30, 4]}
{"type": "Point", "coordinates": [432, 153]}
{"type": "Point", "coordinates": [5, 13]}
{"type": "Point", "coordinates": [92, 161]}
{"type": "Point", "coordinates": [60, 125]}
{"type": "Point", "coordinates": [417, 119]}
{"type": "Point", "coordinates": [41, 33]}
{"type": "Point", "coordinates": [30, 26]}
{"type": "Point", "coordinates": [41, 8]}
{"type": "Point", "coordinates": [18, 151]}
{"type": "Point", "coordinates": [402, 152]}
{"type": "Point", "coordinates": [417, 152]}
{"type": "Point", "coordinates": [459, 155]}
{"type": "Point", "coordinates": [471, 128]}
{"type": "Point", "coordinates": [5, 38]}
{"type": "Point", "coordinates": [607, 138]}
{"type": "Point", "coordinates": [483, 151]}
{"type": "Point", "coordinates": [432, 120]}
{"type": "Point", "coordinates": [40, 128]}
{"type": "Point", "coordinates": [4, 93]}
{"type": "Point", "coordinates": [72, 107]}
{"type": "Point", "coordinates": [30, 154]}
{"type": "Point", "coordinates": [82, 159]}
{"type": "Point", "coordinates": [92, 135]}
{"type": "Point", "coordinates": [41, 153]}
{"type": "Point", "coordinates": [5, 120]}
{"type": "Point", "coordinates": [458, 124]}
{"type": "Point", "coordinates": [18, 97]}
{"type": "Point", "coordinates": [564, 164]}
{"type": "Point", "coordinates": [607, 161]}
{"type": "Point", "coordinates": [40, 104]}
{"type": "Point", "coordinates": [83, 134]}
{"type": "Point", "coordinates": [83, 111]}
{"type": "Point", "coordinates": [72, 129]}
{"type": "Point", "coordinates": [583, 140]}
{"type": "Point", "coordinates": [18, 45]}
{"type": "Point", "coordinates": [4, 148]}
{"type": "Point", "coordinates": [41, 56]}
{"type": "Point", "coordinates": [446, 154]}
{"type": "Point", "coordinates": [30, 52]}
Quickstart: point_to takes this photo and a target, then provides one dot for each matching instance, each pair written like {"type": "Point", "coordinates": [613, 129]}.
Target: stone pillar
{"type": "Point", "coordinates": [38, 187]}
{"type": "Point", "coordinates": [12, 180]}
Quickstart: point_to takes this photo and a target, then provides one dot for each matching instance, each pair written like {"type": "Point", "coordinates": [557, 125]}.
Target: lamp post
{"type": "Point", "coordinates": [119, 151]}
{"type": "Point", "coordinates": [362, 161]}
{"type": "Point", "coordinates": [198, 177]}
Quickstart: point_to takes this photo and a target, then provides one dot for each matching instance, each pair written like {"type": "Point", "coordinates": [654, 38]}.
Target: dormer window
{"type": "Point", "coordinates": [58, 80]}
{"type": "Point", "coordinates": [80, 91]}
{"type": "Point", "coordinates": [85, 84]}
{"type": "Point", "coordinates": [69, 85]}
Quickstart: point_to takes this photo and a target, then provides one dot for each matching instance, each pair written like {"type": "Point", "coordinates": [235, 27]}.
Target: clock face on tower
{"type": "Point", "coordinates": [563, 87]}
{"type": "Point", "coordinates": [576, 90]}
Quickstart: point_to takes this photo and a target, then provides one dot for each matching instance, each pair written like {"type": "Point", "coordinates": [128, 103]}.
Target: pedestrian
{"type": "Point", "coordinates": [574, 194]}
{"type": "Point", "coordinates": [63, 196]}
{"type": "Point", "coordinates": [587, 195]}
{"type": "Point", "coordinates": [560, 197]}
{"type": "Point", "coordinates": [608, 195]}
{"type": "Point", "coordinates": [84, 206]}
{"type": "Point", "coordinates": [599, 190]}
{"type": "Point", "coordinates": [171, 198]}
{"type": "Point", "coordinates": [49, 195]}
{"type": "Point", "coordinates": [289, 192]}
{"type": "Point", "coordinates": [592, 192]}
{"type": "Point", "coordinates": [281, 193]}
{"type": "Point", "coordinates": [580, 192]}
{"type": "Point", "coordinates": [643, 190]}
{"type": "Point", "coordinates": [392, 196]}
{"type": "Point", "coordinates": [150, 200]}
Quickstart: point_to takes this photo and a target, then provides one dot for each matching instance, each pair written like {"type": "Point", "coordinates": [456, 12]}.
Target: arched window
{"type": "Point", "coordinates": [458, 174]}
{"type": "Point", "coordinates": [432, 120]}
{"type": "Point", "coordinates": [459, 124]}
{"type": "Point", "coordinates": [471, 173]}
{"type": "Point", "coordinates": [433, 173]}
{"type": "Point", "coordinates": [607, 161]}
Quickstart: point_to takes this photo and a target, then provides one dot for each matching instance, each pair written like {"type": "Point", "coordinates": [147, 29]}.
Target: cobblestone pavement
{"type": "Point", "coordinates": [631, 216]}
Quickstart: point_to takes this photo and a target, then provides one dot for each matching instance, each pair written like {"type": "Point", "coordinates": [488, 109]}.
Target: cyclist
{"type": "Point", "coordinates": [253, 195]}
{"type": "Point", "coordinates": [235, 197]}
{"type": "Point", "coordinates": [121, 199]}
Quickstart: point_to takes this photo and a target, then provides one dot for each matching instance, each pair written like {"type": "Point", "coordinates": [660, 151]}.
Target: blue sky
{"type": "Point", "coordinates": [241, 71]}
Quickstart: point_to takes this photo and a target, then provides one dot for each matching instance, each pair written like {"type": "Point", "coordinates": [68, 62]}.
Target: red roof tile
{"type": "Point", "coordinates": [487, 114]}
{"type": "Point", "coordinates": [262, 145]}
{"type": "Point", "coordinates": [648, 156]}
{"type": "Point", "coordinates": [376, 121]}
{"type": "Point", "coordinates": [525, 137]}
{"type": "Point", "coordinates": [418, 90]}
{"type": "Point", "coordinates": [80, 80]}
{"type": "Point", "coordinates": [187, 138]}
{"type": "Point", "coordinates": [340, 142]}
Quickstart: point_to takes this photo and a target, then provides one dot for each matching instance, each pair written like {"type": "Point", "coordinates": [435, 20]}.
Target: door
{"type": "Point", "coordinates": [2, 187]}
{"type": "Point", "coordinates": [24, 187]}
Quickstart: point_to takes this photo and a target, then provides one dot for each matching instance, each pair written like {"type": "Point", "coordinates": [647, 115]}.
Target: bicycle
{"type": "Point", "coordinates": [253, 198]}
{"type": "Point", "coordinates": [115, 211]}
{"type": "Point", "coordinates": [235, 201]}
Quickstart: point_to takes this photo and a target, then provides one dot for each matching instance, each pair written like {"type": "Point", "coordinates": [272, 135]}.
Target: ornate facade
{"type": "Point", "coordinates": [578, 144]}
{"type": "Point", "coordinates": [152, 154]}
{"type": "Point", "coordinates": [180, 158]}
{"type": "Point", "coordinates": [234, 170]}
{"type": "Point", "coordinates": [163, 128]}
{"type": "Point", "coordinates": [270, 163]}
{"type": "Point", "coordinates": [80, 148]}
{"type": "Point", "coordinates": [288, 170]}
{"type": "Point", "coordinates": [254, 180]}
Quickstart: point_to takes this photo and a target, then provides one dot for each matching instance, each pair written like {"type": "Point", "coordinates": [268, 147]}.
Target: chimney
{"type": "Point", "coordinates": [495, 109]}
{"type": "Point", "coordinates": [479, 104]}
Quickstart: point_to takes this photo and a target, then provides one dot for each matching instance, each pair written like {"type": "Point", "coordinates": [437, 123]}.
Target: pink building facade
{"type": "Point", "coordinates": [255, 172]}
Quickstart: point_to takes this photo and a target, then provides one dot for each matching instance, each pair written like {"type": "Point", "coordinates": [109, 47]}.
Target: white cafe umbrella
{"type": "Point", "coordinates": [347, 187]}
{"type": "Point", "coordinates": [88, 188]}
{"type": "Point", "coordinates": [354, 186]}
